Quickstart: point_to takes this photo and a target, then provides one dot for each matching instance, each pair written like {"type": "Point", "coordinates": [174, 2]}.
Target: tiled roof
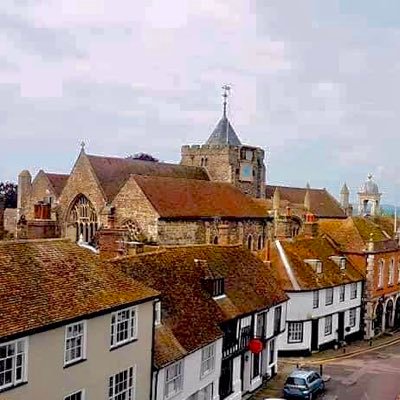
{"type": "Point", "coordinates": [323, 204]}
{"type": "Point", "coordinates": [113, 172]}
{"type": "Point", "coordinates": [44, 282]}
{"type": "Point", "coordinates": [223, 134]}
{"type": "Point", "coordinates": [298, 250]}
{"type": "Point", "coordinates": [174, 198]}
{"type": "Point", "coordinates": [58, 181]}
{"type": "Point", "coordinates": [167, 349]}
{"type": "Point", "coordinates": [192, 315]}
{"type": "Point", "coordinates": [353, 234]}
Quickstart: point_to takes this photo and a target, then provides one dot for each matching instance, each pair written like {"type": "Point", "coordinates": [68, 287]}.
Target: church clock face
{"type": "Point", "coordinates": [246, 172]}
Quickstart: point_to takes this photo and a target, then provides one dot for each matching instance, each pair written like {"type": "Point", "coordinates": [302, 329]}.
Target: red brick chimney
{"type": "Point", "coordinates": [310, 227]}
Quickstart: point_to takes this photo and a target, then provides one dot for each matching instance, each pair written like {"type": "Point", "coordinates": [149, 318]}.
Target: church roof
{"type": "Point", "coordinates": [113, 172]}
{"type": "Point", "coordinates": [58, 181]}
{"type": "Point", "coordinates": [51, 281]}
{"type": "Point", "coordinates": [223, 134]}
{"type": "Point", "coordinates": [190, 316]}
{"type": "Point", "coordinates": [322, 203]}
{"type": "Point", "coordinates": [190, 198]}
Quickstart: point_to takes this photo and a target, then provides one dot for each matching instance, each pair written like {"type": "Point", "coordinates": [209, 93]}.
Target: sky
{"type": "Point", "coordinates": [314, 82]}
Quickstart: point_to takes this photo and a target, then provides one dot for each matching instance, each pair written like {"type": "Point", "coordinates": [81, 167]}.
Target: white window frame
{"type": "Point", "coordinates": [207, 360]}
{"type": "Point", "coordinates": [129, 390]}
{"type": "Point", "coordinates": [81, 392]}
{"type": "Point", "coordinates": [131, 326]}
{"type": "Point", "coordinates": [72, 339]}
{"type": "Point", "coordinates": [295, 332]}
{"type": "Point", "coordinates": [176, 379]}
{"type": "Point", "coordinates": [381, 266]}
{"type": "Point", "coordinates": [24, 362]}
{"type": "Point", "coordinates": [157, 312]}
{"type": "Point", "coordinates": [391, 273]}
{"type": "Point", "coordinates": [328, 325]}
{"type": "Point", "coordinates": [330, 291]}
{"type": "Point", "coordinates": [342, 293]}
{"type": "Point", "coordinates": [352, 317]}
{"type": "Point", "coordinates": [353, 291]}
{"type": "Point", "coordinates": [315, 299]}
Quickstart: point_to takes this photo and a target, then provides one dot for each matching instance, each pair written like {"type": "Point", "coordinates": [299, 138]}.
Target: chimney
{"type": "Point", "coordinates": [223, 234]}
{"type": "Point", "coordinates": [24, 190]}
{"type": "Point", "coordinates": [276, 200]}
{"type": "Point", "coordinates": [111, 243]}
{"type": "Point", "coordinates": [42, 211]}
{"type": "Point", "coordinates": [310, 226]}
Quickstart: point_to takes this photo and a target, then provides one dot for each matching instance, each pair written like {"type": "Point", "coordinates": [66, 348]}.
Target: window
{"type": "Point", "coordinates": [13, 363]}
{"type": "Point", "coordinates": [380, 273]}
{"type": "Point", "coordinates": [261, 324]}
{"type": "Point", "coordinates": [260, 242]}
{"type": "Point", "coordinates": [218, 287]}
{"type": "Point", "coordinates": [173, 379]}
{"type": "Point", "coordinates": [328, 325]}
{"type": "Point", "coordinates": [203, 394]}
{"type": "Point", "coordinates": [353, 291]}
{"type": "Point", "coordinates": [295, 332]}
{"type": "Point", "coordinates": [250, 242]}
{"type": "Point", "coordinates": [352, 317]}
{"type": "Point", "coordinates": [391, 272]}
{"type": "Point", "coordinates": [272, 351]}
{"type": "Point", "coordinates": [122, 385]}
{"type": "Point", "coordinates": [123, 326]}
{"type": "Point", "coordinates": [157, 311]}
{"type": "Point", "coordinates": [328, 296]}
{"type": "Point", "coordinates": [277, 320]}
{"type": "Point", "coordinates": [315, 299]}
{"type": "Point", "coordinates": [207, 360]}
{"type": "Point", "coordinates": [80, 395]}
{"type": "Point", "coordinates": [342, 293]}
{"type": "Point", "coordinates": [75, 346]}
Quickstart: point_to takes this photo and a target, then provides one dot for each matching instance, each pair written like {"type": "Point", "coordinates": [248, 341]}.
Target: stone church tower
{"type": "Point", "coordinates": [369, 198]}
{"type": "Point", "coordinates": [226, 159]}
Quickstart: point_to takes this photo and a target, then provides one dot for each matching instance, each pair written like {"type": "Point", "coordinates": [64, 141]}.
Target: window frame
{"type": "Point", "coordinates": [391, 273]}
{"type": "Point", "coordinates": [178, 377]}
{"type": "Point", "coordinates": [132, 329]}
{"type": "Point", "coordinates": [296, 332]}
{"type": "Point", "coordinates": [315, 299]}
{"type": "Point", "coordinates": [342, 293]}
{"type": "Point", "coordinates": [381, 267]}
{"type": "Point", "coordinates": [113, 385]}
{"type": "Point", "coordinates": [81, 392]}
{"type": "Point", "coordinates": [328, 332]}
{"type": "Point", "coordinates": [83, 336]}
{"type": "Point", "coordinates": [157, 312]}
{"type": "Point", "coordinates": [352, 318]}
{"type": "Point", "coordinates": [209, 359]}
{"type": "Point", "coordinates": [353, 290]}
{"type": "Point", "coordinates": [24, 363]}
{"type": "Point", "coordinates": [329, 300]}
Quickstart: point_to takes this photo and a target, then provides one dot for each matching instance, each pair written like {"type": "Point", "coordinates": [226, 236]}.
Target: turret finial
{"type": "Point", "coordinates": [226, 89]}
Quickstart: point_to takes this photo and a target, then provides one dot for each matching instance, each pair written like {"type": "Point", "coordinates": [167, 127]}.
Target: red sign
{"type": "Point", "coordinates": [256, 346]}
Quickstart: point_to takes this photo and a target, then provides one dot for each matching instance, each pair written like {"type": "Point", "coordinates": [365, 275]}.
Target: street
{"type": "Point", "coordinates": [371, 376]}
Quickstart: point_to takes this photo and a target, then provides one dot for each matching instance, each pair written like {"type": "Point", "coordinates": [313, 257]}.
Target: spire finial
{"type": "Point", "coordinates": [226, 89]}
{"type": "Point", "coordinates": [83, 144]}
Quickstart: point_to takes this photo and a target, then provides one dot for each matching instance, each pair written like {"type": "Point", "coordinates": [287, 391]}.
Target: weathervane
{"type": "Point", "coordinates": [83, 145]}
{"type": "Point", "coordinates": [226, 89]}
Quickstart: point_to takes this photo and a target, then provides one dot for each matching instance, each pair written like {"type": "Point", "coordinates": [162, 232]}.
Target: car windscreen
{"type": "Point", "coordinates": [295, 381]}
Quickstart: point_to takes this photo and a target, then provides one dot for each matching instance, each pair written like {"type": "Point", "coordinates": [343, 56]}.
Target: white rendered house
{"type": "Point", "coordinates": [325, 292]}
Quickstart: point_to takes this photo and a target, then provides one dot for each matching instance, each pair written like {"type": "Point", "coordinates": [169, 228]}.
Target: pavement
{"type": "Point", "coordinates": [364, 370]}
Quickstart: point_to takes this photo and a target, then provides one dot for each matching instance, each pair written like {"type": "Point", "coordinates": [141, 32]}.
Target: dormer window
{"type": "Point", "coordinates": [218, 287]}
{"type": "Point", "coordinates": [315, 264]}
{"type": "Point", "coordinates": [340, 261]}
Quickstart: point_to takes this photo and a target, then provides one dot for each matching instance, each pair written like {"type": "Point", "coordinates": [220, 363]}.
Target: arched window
{"type": "Point", "coordinates": [215, 241]}
{"type": "Point", "coordinates": [202, 161]}
{"type": "Point", "coordinates": [134, 232]}
{"type": "Point", "coordinates": [83, 219]}
{"type": "Point", "coordinates": [250, 242]}
{"type": "Point", "coordinates": [260, 242]}
{"type": "Point", "coordinates": [391, 272]}
{"type": "Point", "coordinates": [205, 162]}
{"type": "Point", "coordinates": [380, 273]}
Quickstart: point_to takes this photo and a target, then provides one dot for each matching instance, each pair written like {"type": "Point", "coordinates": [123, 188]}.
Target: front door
{"type": "Point", "coordinates": [341, 327]}
{"type": "Point", "coordinates": [225, 380]}
{"type": "Point", "coordinates": [314, 334]}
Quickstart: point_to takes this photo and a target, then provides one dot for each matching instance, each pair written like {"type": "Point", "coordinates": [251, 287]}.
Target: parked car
{"type": "Point", "coordinates": [302, 384]}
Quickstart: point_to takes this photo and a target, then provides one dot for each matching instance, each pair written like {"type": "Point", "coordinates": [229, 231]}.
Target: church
{"type": "Point", "coordinates": [216, 195]}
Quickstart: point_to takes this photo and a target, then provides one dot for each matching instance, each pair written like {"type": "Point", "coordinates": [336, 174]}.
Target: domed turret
{"type": "Point", "coordinates": [369, 197]}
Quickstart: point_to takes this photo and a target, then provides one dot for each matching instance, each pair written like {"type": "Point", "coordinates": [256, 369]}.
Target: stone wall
{"type": "Point", "coordinates": [132, 205]}
{"type": "Point", "coordinates": [10, 220]}
{"type": "Point", "coordinates": [223, 164]}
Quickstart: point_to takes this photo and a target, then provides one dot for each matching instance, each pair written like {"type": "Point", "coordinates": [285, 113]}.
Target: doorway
{"type": "Point", "coordinates": [341, 327]}
{"type": "Point", "coordinates": [314, 334]}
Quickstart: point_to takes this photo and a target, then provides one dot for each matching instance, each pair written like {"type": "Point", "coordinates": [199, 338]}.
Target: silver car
{"type": "Point", "coordinates": [302, 384]}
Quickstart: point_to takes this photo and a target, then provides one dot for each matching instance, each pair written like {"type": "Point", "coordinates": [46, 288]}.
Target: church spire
{"type": "Point", "coordinates": [224, 134]}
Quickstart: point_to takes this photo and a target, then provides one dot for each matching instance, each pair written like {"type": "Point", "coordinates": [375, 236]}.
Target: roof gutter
{"type": "Point", "coordinates": [286, 263]}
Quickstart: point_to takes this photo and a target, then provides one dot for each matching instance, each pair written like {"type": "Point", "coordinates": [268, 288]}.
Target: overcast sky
{"type": "Point", "coordinates": [314, 82]}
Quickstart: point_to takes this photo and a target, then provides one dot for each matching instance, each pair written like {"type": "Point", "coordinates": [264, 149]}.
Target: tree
{"type": "Point", "coordinates": [9, 191]}
{"type": "Point", "coordinates": [143, 157]}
